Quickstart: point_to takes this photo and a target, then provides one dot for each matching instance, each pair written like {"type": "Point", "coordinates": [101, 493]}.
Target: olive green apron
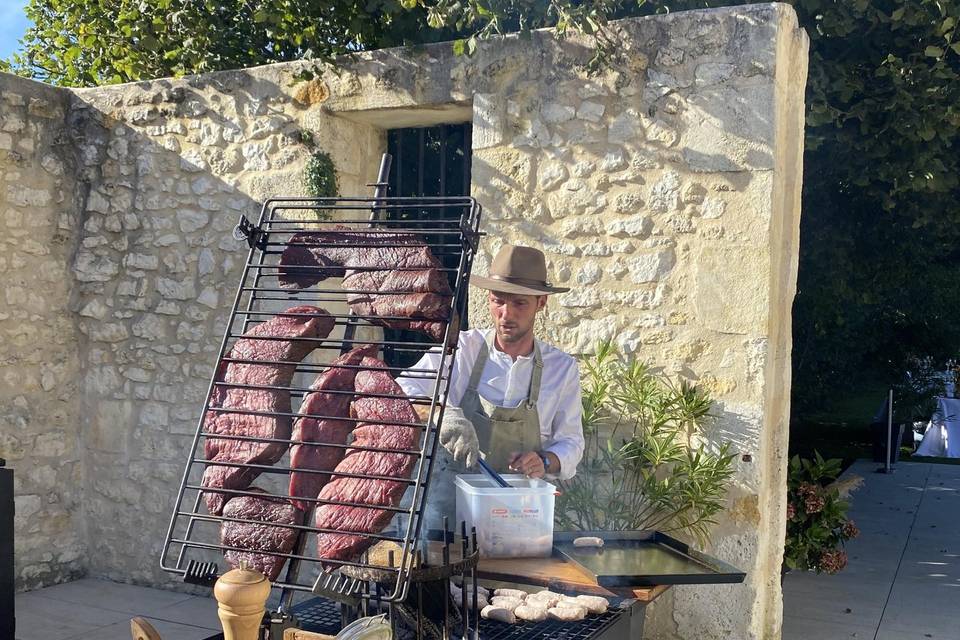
{"type": "Point", "coordinates": [502, 432]}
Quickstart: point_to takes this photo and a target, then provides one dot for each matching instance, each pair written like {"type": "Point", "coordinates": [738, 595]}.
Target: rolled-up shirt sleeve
{"type": "Point", "coordinates": [419, 379]}
{"type": "Point", "coordinates": [567, 430]}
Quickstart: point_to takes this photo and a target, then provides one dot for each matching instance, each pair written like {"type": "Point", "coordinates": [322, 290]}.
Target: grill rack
{"type": "Point", "coordinates": [320, 615]}
{"type": "Point", "coordinates": [187, 548]}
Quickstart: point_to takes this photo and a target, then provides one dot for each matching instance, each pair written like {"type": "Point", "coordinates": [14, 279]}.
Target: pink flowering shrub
{"type": "Point", "coordinates": [817, 524]}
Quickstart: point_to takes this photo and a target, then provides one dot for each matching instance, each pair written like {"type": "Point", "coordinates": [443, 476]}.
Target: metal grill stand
{"type": "Point", "coordinates": [192, 547]}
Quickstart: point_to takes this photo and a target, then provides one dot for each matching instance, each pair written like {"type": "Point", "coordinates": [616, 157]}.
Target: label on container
{"type": "Point", "coordinates": [514, 514]}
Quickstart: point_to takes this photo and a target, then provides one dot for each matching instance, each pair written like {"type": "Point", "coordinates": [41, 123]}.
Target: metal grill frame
{"type": "Point", "coordinates": [619, 622]}
{"type": "Point", "coordinates": [463, 234]}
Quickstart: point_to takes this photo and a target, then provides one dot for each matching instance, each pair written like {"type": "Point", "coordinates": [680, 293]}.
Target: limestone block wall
{"type": "Point", "coordinates": [664, 191]}
{"type": "Point", "coordinates": [39, 365]}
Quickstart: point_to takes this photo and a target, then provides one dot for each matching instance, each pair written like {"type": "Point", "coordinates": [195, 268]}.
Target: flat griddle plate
{"type": "Point", "coordinates": [643, 558]}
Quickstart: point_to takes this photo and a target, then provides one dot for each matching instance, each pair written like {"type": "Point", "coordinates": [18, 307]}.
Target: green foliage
{"type": "Point", "coordinates": [320, 176]}
{"type": "Point", "coordinates": [91, 42]}
{"type": "Point", "coordinates": [817, 525]}
{"type": "Point", "coordinates": [915, 394]}
{"type": "Point", "coordinates": [879, 234]}
{"type": "Point", "coordinates": [644, 466]}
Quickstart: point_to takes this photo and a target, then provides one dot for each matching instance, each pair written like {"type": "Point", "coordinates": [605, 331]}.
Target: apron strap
{"type": "Point", "coordinates": [534, 393]}
{"type": "Point", "coordinates": [479, 364]}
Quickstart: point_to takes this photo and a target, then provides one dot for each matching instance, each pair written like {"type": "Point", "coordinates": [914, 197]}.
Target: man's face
{"type": "Point", "coordinates": [514, 314]}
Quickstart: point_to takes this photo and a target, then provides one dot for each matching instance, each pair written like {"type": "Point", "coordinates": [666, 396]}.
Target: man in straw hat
{"type": "Point", "coordinates": [512, 398]}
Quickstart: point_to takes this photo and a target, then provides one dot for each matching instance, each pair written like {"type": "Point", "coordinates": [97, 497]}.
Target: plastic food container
{"type": "Point", "coordinates": [515, 522]}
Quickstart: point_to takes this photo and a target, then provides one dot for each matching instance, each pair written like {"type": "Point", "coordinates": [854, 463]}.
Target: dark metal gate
{"type": "Point", "coordinates": [427, 161]}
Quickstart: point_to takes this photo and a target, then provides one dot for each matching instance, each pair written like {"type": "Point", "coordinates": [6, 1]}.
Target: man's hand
{"type": "Point", "coordinates": [458, 436]}
{"type": "Point", "coordinates": [528, 463]}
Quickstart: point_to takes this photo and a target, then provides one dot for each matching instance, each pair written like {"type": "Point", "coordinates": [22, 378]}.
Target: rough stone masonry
{"type": "Point", "coordinates": [665, 191]}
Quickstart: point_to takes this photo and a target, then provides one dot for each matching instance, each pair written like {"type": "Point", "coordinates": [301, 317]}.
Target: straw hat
{"type": "Point", "coordinates": [521, 270]}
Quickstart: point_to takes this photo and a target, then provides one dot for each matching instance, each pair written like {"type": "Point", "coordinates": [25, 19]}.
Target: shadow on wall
{"type": "Point", "coordinates": [169, 167]}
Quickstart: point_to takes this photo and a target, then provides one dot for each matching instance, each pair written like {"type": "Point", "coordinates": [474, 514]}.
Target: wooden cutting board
{"type": "Point", "coordinates": [556, 574]}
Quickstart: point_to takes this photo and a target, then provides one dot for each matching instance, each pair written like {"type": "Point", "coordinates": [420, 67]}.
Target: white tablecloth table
{"type": "Point", "coordinates": [942, 437]}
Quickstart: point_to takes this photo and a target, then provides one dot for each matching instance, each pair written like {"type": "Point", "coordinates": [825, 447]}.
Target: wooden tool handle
{"type": "Point", "coordinates": [140, 629]}
{"type": "Point", "coordinates": [241, 598]}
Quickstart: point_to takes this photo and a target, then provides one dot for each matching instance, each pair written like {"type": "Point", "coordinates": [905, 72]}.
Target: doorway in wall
{"type": "Point", "coordinates": [427, 161]}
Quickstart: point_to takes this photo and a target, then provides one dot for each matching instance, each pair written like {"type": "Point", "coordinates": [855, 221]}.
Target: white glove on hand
{"type": "Point", "coordinates": [458, 436]}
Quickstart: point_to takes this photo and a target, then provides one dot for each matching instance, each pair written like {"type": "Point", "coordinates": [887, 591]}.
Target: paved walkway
{"type": "Point", "coordinates": [903, 578]}
{"type": "Point", "coordinates": [101, 610]}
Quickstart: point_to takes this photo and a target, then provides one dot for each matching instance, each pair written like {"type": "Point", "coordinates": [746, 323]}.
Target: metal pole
{"type": "Point", "coordinates": [889, 428]}
{"type": "Point", "coordinates": [383, 178]}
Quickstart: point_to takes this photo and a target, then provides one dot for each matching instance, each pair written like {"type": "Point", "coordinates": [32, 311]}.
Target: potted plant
{"type": "Point", "coordinates": [646, 464]}
{"type": "Point", "coordinates": [817, 523]}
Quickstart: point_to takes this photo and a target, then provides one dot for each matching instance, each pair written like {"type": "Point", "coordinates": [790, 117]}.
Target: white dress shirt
{"type": "Point", "coordinates": [505, 382]}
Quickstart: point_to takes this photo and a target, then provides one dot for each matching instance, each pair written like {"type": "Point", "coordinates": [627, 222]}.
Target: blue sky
{"type": "Point", "coordinates": [13, 24]}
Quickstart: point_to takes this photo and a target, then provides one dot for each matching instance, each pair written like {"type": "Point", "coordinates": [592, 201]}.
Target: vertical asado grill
{"type": "Point", "coordinates": [411, 585]}
{"type": "Point", "coordinates": [192, 546]}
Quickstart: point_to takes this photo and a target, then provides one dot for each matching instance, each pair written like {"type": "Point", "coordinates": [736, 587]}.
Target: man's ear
{"type": "Point", "coordinates": [542, 303]}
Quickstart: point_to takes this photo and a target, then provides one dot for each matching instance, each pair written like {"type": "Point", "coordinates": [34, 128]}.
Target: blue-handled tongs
{"type": "Point", "coordinates": [496, 477]}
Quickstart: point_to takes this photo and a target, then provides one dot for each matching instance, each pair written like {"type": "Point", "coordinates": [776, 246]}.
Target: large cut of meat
{"type": "Point", "coordinates": [262, 540]}
{"type": "Point", "coordinates": [429, 305]}
{"type": "Point", "coordinates": [291, 348]}
{"type": "Point", "coordinates": [371, 432]}
{"type": "Point", "coordinates": [312, 256]}
{"type": "Point", "coordinates": [322, 401]}
{"type": "Point", "coordinates": [420, 281]}
{"type": "Point", "coordinates": [386, 283]}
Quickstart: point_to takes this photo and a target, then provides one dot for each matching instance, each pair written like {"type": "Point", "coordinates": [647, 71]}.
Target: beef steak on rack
{"type": "Point", "coordinates": [261, 539]}
{"type": "Point", "coordinates": [420, 281]}
{"type": "Point", "coordinates": [295, 333]}
{"type": "Point", "coordinates": [312, 256]}
{"type": "Point", "coordinates": [370, 271]}
{"type": "Point", "coordinates": [372, 413]}
{"type": "Point", "coordinates": [323, 401]}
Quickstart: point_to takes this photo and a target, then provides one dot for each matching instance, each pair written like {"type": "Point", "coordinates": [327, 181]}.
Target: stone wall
{"type": "Point", "coordinates": [665, 192]}
{"type": "Point", "coordinates": [39, 364]}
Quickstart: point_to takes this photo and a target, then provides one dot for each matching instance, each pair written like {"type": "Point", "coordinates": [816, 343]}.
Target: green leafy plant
{"type": "Point", "coordinates": [320, 176]}
{"type": "Point", "coordinates": [645, 465]}
{"type": "Point", "coordinates": [817, 525]}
